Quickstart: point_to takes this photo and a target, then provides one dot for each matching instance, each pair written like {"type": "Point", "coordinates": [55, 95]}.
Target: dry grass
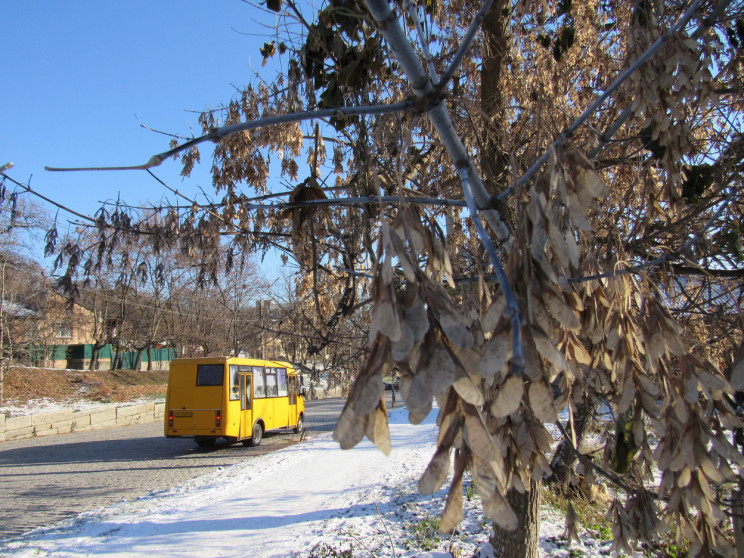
{"type": "Point", "coordinates": [25, 384]}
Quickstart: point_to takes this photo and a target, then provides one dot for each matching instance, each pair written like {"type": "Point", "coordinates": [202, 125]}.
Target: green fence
{"type": "Point", "coordinates": [79, 356]}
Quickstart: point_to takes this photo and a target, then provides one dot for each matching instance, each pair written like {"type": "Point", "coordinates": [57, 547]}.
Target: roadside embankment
{"type": "Point", "coordinates": [64, 421]}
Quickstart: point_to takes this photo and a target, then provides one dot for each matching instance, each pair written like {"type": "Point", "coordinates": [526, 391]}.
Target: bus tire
{"type": "Point", "coordinates": [300, 424]}
{"type": "Point", "coordinates": [257, 435]}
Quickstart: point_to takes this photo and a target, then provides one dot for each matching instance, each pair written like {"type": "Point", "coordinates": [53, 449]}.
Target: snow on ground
{"type": "Point", "coordinates": [309, 499]}
{"type": "Point", "coordinates": [13, 408]}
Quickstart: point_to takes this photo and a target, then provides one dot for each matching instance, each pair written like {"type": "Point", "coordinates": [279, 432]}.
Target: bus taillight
{"type": "Point", "coordinates": [170, 419]}
{"type": "Point", "coordinates": [218, 418]}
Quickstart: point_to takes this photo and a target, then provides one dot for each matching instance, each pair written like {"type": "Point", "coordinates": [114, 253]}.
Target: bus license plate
{"type": "Point", "coordinates": [184, 413]}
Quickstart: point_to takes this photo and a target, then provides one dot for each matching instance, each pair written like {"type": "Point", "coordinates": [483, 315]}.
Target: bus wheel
{"type": "Point", "coordinates": [204, 441]}
{"type": "Point", "coordinates": [257, 435]}
{"type": "Point", "coordinates": [300, 424]}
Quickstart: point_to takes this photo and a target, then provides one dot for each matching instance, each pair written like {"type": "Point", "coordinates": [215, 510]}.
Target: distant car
{"type": "Point", "coordinates": [388, 386]}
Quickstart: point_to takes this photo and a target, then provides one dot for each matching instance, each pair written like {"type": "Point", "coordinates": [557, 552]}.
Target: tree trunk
{"type": "Point", "coordinates": [117, 358]}
{"type": "Point", "coordinates": [138, 360]}
{"type": "Point", "coordinates": [524, 541]}
{"type": "Point", "coordinates": [565, 457]}
{"type": "Point", "coordinates": [149, 357]}
{"type": "Point", "coordinates": [94, 356]}
{"type": "Point", "coordinates": [495, 159]}
{"type": "Point", "coordinates": [2, 378]}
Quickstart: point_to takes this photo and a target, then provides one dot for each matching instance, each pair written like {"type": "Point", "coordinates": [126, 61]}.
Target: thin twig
{"type": "Point", "coordinates": [464, 45]}
{"type": "Point", "coordinates": [218, 134]}
{"type": "Point", "coordinates": [392, 546]}
{"type": "Point", "coordinates": [686, 246]}
{"type": "Point", "coordinates": [413, 12]}
{"type": "Point", "coordinates": [28, 190]}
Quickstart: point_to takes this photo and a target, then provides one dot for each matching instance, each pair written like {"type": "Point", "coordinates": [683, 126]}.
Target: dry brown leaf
{"type": "Point", "coordinates": [453, 326]}
{"type": "Point", "coordinates": [387, 273]}
{"type": "Point", "coordinates": [365, 392]}
{"type": "Point", "coordinates": [420, 394]}
{"type": "Point", "coordinates": [656, 348]}
{"type": "Point", "coordinates": [441, 370]}
{"type": "Point", "coordinates": [417, 319]}
{"type": "Point", "coordinates": [573, 249]}
{"type": "Point", "coordinates": [436, 472]}
{"type": "Point", "coordinates": [580, 354]}
{"type": "Point", "coordinates": [557, 240]}
{"type": "Point", "coordinates": [497, 509]}
{"type": "Point", "coordinates": [590, 187]}
{"type": "Point", "coordinates": [381, 431]}
{"type": "Point", "coordinates": [542, 438]}
{"type": "Point", "coordinates": [533, 367]}
{"type": "Point", "coordinates": [363, 398]}
{"type": "Point", "coordinates": [548, 351]}
{"type": "Point", "coordinates": [541, 401]}
{"type": "Point", "coordinates": [648, 385]}
{"type": "Point", "coordinates": [497, 352]}
{"type": "Point", "coordinates": [578, 213]}
{"type": "Point", "coordinates": [469, 359]}
{"type": "Point", "coordinates": [401, 348]}
{"type": "Point", "coordinates": [417, 416]}
{"type": "Point", "coordinates": [537, 251]}
{"type": "Point", "coordinates": [509, 397]}
{"type": "Point", "coordinates": [453, 509]}
{"type": "Point", "coordinates": [571, 533]}
{"type": "Point", "coordinates": [714, 382]}
{"type": "Point", "coordinates": [560, 310]}
{"type": "Point", "coordinates": [710, 470]}
{"type": "Point", "coordinates": [385, 318]}
{"type": "Point", "coordinates": [452, 514]}
{"type": "Point", "coordinates": [470, 390]}
{"type": "Point", "coordinates": [350, 428]}
{"type": "Point", "coordinates": [493, 314]}
{"type": "Point", "coordinates": [628, 394]}
{"type": "Point", "coordinates": [537, 313]}
{"type": "Point", "coordinates": [737, 370]}
{"type": "Point", "coordinates": [478, 438]}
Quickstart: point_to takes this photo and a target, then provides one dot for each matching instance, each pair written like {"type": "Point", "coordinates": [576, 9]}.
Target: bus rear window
{"type": "Point", "coordinates": [210, 374]}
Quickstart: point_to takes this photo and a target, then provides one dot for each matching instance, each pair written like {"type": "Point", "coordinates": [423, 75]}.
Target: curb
{"type": "Point", "coordinates": [65, 421]}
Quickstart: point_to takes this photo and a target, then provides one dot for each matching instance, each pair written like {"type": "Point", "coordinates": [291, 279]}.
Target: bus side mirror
{"type": "Point", "coordinates": [303, 393]}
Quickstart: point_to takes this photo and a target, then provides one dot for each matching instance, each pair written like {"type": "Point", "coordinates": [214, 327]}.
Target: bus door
{"type": "Point", "coordinates": [246, 405]}
{"type": "Point", "coordinates": [292, 387]}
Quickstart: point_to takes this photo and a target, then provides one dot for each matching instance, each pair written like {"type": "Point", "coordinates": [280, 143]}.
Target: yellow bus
{"type": "Point", "coordinates": [234, 398]}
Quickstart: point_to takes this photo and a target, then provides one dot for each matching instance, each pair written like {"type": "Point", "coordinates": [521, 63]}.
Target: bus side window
{"type": "Point", "coordinates": [234, 383]}
{"type": "Point", "coordinates": [259, 386]}
{"type": "Point", "coordinates": [282, 377]}
{"type": "Point", "coordinates": [271, 387]}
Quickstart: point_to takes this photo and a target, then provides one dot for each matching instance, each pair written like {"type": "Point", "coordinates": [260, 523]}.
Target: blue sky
{"type": "Point", "coordinates": [80, 76]}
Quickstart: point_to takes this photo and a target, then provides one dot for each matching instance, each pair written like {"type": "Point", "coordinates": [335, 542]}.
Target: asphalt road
{"type": "Point", "coordinates": [46, 480]}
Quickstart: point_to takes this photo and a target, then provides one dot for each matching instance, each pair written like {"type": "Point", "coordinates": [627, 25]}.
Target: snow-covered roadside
{"type": "Point", "coordinates": [34, 406]}
{"type": "Point", "coordinates": [308, 496]}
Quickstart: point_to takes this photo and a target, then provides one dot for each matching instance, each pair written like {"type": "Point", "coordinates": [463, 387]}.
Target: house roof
{"type": "Point", "coordinates": [18, 311]}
